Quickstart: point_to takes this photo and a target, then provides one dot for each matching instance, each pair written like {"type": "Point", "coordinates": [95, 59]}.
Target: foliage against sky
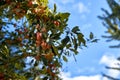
{"type": "Point", "coordinates": [30, 29]}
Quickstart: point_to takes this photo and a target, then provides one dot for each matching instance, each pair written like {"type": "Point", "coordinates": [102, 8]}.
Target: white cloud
{"type": "Point", "coordinates": [107, 60]}
{"type": "Point", "coordinates": [81, 8]}
{"type": "Point", "coordinates": [86, 69]}
{"type": "Point", "coordinates": [111, 62]}
{"type": "Point", "coordinates": [86, 26]}
{"type": "Point", "coordinates": [67, 1]}
{"type": "Point", "coordinates": [66, 76]}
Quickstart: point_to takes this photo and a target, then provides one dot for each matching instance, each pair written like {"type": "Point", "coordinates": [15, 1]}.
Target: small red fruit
{"type": "Point", "coordinates": [38, 36]}
{"type": "Point", "coordinates": [37, 57]}
{"type": "Point", "coordinates": [30, 3]}
{"type": "Point", "coordinates": [57, 23]}
{"type": "Point", "coordinates": [48, 46]}
{"type": "Point", "coordinates": [8, 1]}
{"type": "Point", "coordinates": [49, 56]}
{"type": "Point", "coordinates": [1, 76]}
{"type": "Point", "coordinates": [44, 45]}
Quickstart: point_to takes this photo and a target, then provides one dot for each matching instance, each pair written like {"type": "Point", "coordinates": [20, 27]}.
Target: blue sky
{"type": "Point", "coordinates": [92, 60]}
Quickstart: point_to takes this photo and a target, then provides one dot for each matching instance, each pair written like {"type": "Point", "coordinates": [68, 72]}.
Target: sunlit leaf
{"type": "Point", "coordinates": [17, 65]}
{"type": "Point", "coordinates": [65, 59]}
{"type": "Point", "coordinates": [64, 15]}
{"type": "Point", "coordinates": [75, 29]}
{"type": "Point", "coordinates": [91, 35]}
{"type": "Point", "coordinates": [81, 39]}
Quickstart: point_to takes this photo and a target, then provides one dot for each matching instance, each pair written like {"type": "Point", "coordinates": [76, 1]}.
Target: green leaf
{"type": "Point", "coordinates": [17, 65]}
{"type": "Point", "coordinates": [81, 39]}
{"type": "Point", "coordinates": [55, 50]}
{"type": "Point", "coordinates": [35, 64]}
{"type": "Point", "coordinates": [55, 36]}
{"type": "Point", "coordinates": [4, 51]}
{"type": "Point", "coordinates": [59, 64]}
{"type": "Point", "coordinates": [65, 40]}
{"type": "Point", "coordinates": [91, 36]}
{"type": "Point", "coordinates": [75, 51]}
{"type": "Point", "coordinates": [75, 29]}
{"type": "Point", "coordinates": [28, 74]}
{"type": "Point", "coordinates": [23, 77]}
{"type": "Point", "coordinates": [64, 15]}
{"type": "Point", "coordinates": [74, 40]}
{"type": "Point", "coordinates": [35, 5]}
{"type": "Point", "coordinates": [55, 7]}
{"type": "Point", "coordinates": [68, 46]}
{"type": "Point", "coordinates": [65, 59]}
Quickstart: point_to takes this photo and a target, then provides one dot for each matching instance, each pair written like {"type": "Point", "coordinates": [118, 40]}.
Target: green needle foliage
{"type": "Point", "coordinates": [111, 20]}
